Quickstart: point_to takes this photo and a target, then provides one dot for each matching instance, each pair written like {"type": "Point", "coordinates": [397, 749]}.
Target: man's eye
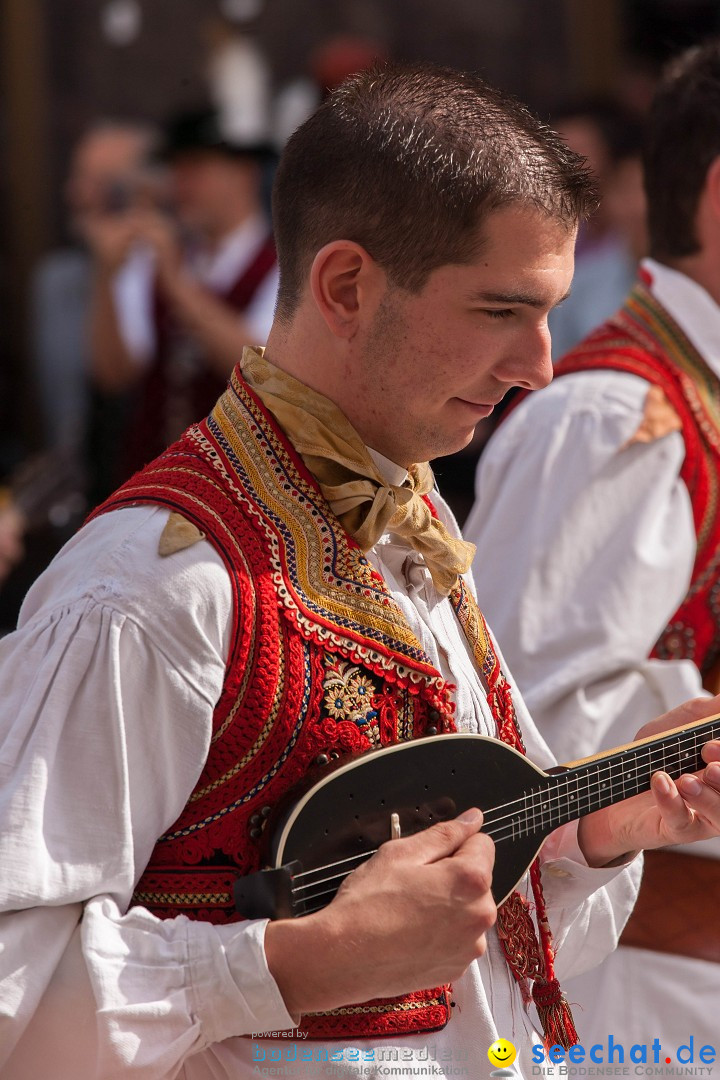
{"type": "Point", "coordinates": [500, 313]}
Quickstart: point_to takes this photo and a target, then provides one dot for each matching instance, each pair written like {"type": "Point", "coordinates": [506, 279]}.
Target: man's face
{"type": "Point", "coordinates": [101, 160]}
{"type": "Point", "coordinates": [436, 362]}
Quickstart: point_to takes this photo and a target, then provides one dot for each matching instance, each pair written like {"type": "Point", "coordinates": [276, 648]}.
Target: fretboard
{"type": "Point", "coordinates": [600, 781]}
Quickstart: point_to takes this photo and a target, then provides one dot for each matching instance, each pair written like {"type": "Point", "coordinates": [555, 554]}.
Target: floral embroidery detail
{"type": "Point", "coordinates": [677, 642]}
{"type": "Point", "coordinates": [350, 695]}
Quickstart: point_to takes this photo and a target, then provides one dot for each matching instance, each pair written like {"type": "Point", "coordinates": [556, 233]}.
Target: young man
{"type": "Point", "coordinates": [276, 592]}
{"type": "Point", "coordinates": [597, 526]}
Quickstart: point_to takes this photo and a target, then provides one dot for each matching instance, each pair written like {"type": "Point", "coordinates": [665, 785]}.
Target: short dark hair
{"type": "Point", "coordinates": [682, 140]}
{"type": "Point", "coordinates": [407, 161]}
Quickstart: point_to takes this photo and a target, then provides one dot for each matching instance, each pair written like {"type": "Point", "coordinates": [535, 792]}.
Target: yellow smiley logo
{"type": "Point", "coordinates": [502, 1053]}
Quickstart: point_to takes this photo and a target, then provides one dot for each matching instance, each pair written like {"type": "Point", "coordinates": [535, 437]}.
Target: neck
{"type": "Point", "coordinates": [332, 367]}
{"type": "Point", "coordinates": [299, 348]}
{"type": "Point", "coordinates": [573, 791]}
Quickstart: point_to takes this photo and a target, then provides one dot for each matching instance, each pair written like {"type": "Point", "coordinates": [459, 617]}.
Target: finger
{"type": "Point", "coordinates": [687, 713]}
{"type": "Point", "coordinates": [676, 812]}
{"type": "Point", "coordinates": [702, 795]}
{"type": "Point", "coordinates": [478, 848]}
{"type": "Point", "coordinates": [439, 841]}
{"type": "Point", "coordinates": [711, 775]}
{"type": "Point", "coordinates": [711, 751]}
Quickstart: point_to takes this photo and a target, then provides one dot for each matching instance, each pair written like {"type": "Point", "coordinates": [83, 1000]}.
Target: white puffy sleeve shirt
{"type": "Point", "coordinates": [108, 689]}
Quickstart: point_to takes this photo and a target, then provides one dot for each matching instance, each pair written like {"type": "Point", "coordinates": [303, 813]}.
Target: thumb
{"type": "Point", "coordinates": [439, 841]}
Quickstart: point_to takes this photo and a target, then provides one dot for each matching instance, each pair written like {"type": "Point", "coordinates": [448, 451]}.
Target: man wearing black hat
{"type": "Point", "coordinates": [176, 300]}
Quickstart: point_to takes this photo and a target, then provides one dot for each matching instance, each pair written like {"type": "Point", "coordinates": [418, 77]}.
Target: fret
{"type": "Point", "coordinates": [593, 803]}
{"type": "Point", "coordinates": [584, 803]}
{"type": "Point", "coordinates": [574, 795]}
{"type": "Point", "coordinates": [528, 797]}
{"type": "Point", "coordinates": [636, 774]}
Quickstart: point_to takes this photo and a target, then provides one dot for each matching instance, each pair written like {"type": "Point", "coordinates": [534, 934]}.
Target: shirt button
{"type": "Point", "coordinates": [322, 759]}
{"type": "Point", "coordinates": [434, 715]}
{"type": "Point", "coordinates": [432, 731]}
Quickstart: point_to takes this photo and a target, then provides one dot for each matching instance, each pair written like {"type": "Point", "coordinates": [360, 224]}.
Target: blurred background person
{"type": "Point", "coordinates": [178, 293]}
{"type": "Point", "coordinates": [614, 239]}
{"type": "Point", "coordinates": [42, 502]}
{"type": "Point", "coordinates": [47, 479]}
{"type": "Point", "coordinates": [12, 531]}
{"type": "Point", "coordinates": [107, 172]}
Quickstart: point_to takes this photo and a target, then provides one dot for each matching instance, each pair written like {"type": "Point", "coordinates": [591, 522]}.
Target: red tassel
{"type": "Point", "coordinates": [555, 1015]}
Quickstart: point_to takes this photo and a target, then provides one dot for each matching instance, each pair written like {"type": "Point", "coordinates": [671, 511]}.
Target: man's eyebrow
{"type": "Point", "coordinates": [510, 298]}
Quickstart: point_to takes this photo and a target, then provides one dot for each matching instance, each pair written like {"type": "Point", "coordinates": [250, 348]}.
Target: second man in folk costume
{"type": "Point", "coordinates": [597, 516]}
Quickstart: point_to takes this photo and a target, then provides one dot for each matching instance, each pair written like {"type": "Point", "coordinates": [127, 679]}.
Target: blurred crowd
{"type": "Point", "coordinates": [169, 269]}
{"type": "Point", "coordinates": [138, 320]}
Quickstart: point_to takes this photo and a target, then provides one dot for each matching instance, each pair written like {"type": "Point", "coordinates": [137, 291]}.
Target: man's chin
{"type": "Point", "coordinates": [456, 444]}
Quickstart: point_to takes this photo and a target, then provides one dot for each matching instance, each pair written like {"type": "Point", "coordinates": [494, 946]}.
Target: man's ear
{"type": "Point", "coordinates": [346, 284]}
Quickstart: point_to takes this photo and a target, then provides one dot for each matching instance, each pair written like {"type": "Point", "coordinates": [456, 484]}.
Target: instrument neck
{"type": "Point", "coordinates": [602, 780]}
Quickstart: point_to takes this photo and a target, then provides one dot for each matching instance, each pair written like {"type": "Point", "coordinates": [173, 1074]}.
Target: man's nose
{"type": "Point", "coordinates": [531, 365]}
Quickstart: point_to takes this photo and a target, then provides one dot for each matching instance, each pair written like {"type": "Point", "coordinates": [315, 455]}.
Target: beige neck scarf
{"type": "Point", "coordinates": [366, 504]}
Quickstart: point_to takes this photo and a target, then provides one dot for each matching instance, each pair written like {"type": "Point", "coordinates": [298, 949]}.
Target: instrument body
{"type": "Point", "coordinates": [316, 839]}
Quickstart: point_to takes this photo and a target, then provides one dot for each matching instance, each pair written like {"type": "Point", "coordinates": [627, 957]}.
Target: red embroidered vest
{"type": "Point", "coordinates": [644, 340]}
{"type": "Point", "coordinates": [179, 387]}
{"type": "Point", "coordinates": [322, 663]}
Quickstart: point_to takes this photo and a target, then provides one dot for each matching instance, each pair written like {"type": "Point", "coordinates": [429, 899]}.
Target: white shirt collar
{"type": "Point", "coordinates": [389, 470]}
{"type": "Point", "coordinates": [690, 305]}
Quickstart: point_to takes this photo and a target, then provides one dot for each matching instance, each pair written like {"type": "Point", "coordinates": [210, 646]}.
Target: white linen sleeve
{"type": "Point", "coordinates": [105, 728]}
{"type": "Point", "coordinates": [587, 906]}
{"type": "Point", "coordinates": [585, 550]}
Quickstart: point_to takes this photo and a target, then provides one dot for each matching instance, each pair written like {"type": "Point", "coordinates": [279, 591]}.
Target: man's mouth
{"type": "Point", "coordinates": [482, 409]}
